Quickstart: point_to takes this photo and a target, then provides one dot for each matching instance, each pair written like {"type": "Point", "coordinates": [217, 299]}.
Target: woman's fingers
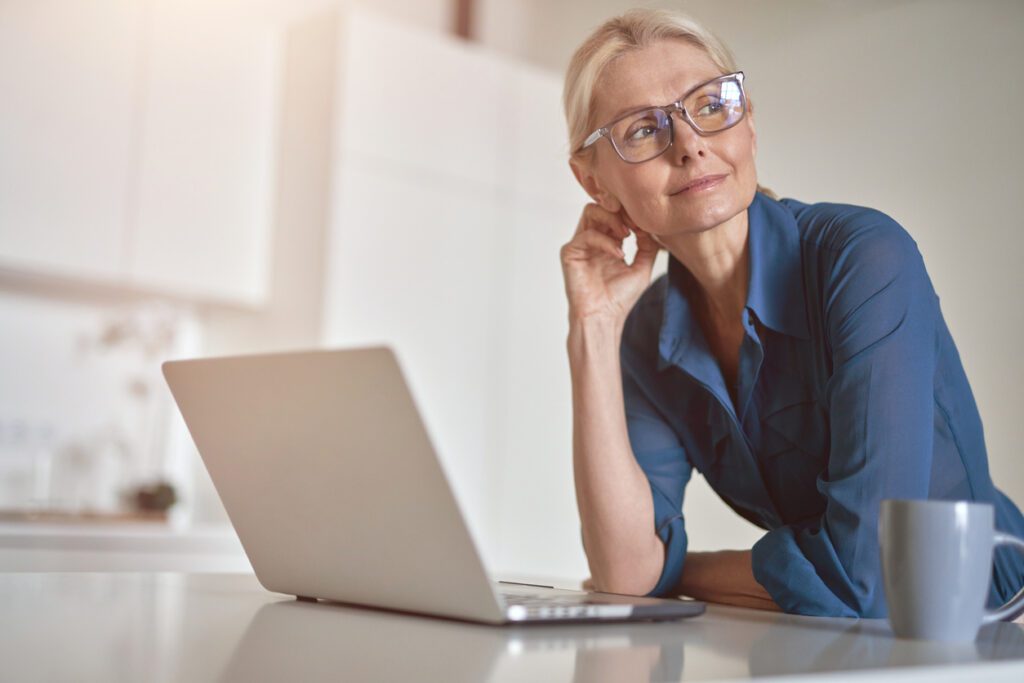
{"type": "Point", "coordinates": [603, 231]}
{"type": "Point", "coordinates": [598, 241]}
{"type": "Point", "coordinates": [619, 225]}
{"type": "Point", "coordinates": [629, 223]}
{"type": "Point", "coordinates": [645, 241]}
{"type": "Point", "coordinates": [597, 218]}
{"type": "Point", "coordinates": [647, 249]}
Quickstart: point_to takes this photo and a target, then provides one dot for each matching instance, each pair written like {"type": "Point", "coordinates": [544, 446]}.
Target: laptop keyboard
{"type": "Point", "coordinates": [530, 600]}
{"type": "Point", "coordinates": [522, 606]}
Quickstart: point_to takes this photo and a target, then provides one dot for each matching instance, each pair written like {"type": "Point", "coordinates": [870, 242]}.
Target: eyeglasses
{"type": "Point", "coordinates": [710, 107]}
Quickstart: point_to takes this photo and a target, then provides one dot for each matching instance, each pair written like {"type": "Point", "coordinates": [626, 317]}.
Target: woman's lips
{"type": "Point", "coordinates": [701, 184]}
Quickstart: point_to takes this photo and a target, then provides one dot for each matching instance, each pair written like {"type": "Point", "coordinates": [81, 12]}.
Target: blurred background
{"type": "Point", "coordinates": [185, 178]}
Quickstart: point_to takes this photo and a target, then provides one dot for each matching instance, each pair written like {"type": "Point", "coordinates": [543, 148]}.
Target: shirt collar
{"type": "Point", "coordinates": [775, 293]}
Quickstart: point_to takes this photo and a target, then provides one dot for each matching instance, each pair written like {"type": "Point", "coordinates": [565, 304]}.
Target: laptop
{"type": "Point", "coordinates": [328, 476]}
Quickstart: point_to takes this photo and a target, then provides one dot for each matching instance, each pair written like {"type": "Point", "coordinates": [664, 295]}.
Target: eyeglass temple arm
{"type": "Point", "coordinates": [594, 137]}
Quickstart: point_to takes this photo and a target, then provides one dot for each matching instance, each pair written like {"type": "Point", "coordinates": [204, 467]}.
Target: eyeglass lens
{"type": "Point", "coordinates": [646, 134]}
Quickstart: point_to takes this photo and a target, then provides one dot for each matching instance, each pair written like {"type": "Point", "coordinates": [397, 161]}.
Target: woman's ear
{"type": "Point", "coordinates": [590, 183]}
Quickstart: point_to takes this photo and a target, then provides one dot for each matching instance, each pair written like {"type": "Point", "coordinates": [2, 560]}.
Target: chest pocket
{"type": "Point", "coordinates": [800, 427]}
{"type": "Point", "coordinates": [792, 418]}
{"type": "Point", "coordinates": [733, 473]}
{"type": "Point", "coordinates": [794, 453]}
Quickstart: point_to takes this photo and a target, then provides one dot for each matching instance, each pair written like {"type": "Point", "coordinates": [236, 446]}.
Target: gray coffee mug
{"type": "Point", "coordinates": [937, 565]}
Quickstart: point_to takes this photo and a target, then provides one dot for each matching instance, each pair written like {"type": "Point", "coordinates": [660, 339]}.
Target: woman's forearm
{"type": "Point", "coordinates": [725, 577]}
{"type": "Point", "coordinates": [612, 493]}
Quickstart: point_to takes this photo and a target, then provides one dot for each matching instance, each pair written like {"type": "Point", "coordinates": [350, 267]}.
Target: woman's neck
{"type": "Point", "coordinates": [717, 259]}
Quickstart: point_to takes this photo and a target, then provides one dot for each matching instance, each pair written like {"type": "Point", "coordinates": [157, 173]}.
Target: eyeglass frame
{"type": "Point", "coordinates": [668, 109]}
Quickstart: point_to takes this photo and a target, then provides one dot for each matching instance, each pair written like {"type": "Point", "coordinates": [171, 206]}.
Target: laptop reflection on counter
{"type": "Point", "coordinates": [292, 640]}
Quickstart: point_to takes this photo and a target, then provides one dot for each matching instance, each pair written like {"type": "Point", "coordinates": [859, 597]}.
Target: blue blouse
{"type": "Point", "coordinates": [850, 390]}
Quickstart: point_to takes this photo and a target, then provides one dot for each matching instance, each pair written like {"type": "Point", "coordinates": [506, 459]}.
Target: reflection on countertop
{"type": "Point", "coordinates": [195, 627]}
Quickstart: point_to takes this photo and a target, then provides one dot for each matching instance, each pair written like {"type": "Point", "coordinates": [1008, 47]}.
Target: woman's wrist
{"type": "Point", "coordinates": [593, 336]}
{"type": "Point", "coordinates": [723, 576]}
{"type": "Point", "coordinates": [595, 324]}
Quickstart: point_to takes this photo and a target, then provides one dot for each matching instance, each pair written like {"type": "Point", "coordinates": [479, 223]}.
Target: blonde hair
{"type": "Point", "coordinates": [632, 30]}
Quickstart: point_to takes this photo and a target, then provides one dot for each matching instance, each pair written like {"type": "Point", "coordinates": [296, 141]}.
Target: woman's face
{"type": "Point", "coordinates": [649, 191]}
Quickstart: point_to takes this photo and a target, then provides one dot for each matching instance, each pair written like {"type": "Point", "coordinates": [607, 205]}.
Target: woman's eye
{"type": "Point", "coordinates": [711, 108]}
{"type": "Point", "coordinates": [641, 133]}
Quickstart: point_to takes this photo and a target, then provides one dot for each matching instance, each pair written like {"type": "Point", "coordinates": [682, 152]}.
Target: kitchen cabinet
{"type": "Point", "coordinates": [205, 182]}
{"type": "Point", "coordinates": [68, 78]}
{"type": "Point", "coordinates": [137, 145]}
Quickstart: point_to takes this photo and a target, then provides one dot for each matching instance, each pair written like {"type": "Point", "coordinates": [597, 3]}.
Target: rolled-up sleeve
{"type": "Point", "coordinates": [661, 456]}
{"type": "Point", "coordinates": [880, 317]}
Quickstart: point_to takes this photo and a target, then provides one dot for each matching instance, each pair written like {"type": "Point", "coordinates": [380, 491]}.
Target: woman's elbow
{"type": "Point", "coordinates": [638, 574]}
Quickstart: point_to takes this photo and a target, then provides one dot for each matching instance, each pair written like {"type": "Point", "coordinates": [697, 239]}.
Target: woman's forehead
{"type": "Point", "coordinates": [653, 75]}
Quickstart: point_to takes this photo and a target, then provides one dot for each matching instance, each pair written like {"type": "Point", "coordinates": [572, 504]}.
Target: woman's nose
{"type": "Point", "coordinates": [686, 142]}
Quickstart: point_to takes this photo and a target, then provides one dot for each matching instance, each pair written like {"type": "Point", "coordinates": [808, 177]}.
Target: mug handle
{"type": "Point", "coordinates": [1015, 606]}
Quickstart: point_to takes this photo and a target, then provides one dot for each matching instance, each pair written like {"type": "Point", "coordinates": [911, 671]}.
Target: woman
{"type": "Point", "coordinates": [794, 354]}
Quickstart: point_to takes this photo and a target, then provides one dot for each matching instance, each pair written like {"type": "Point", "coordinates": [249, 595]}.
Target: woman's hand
{"type": "Point", "coordinates": [598, 281]}
{"type": "Point", "coordinates": [725, 577]}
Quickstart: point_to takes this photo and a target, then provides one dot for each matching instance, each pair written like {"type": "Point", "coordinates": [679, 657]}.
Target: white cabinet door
{"type": "Point", "coordinates": [205, 192]}
{"type": "Point", "coordinates": [415, 101]}
{"type": "Point", "coordinates": [68, 74]}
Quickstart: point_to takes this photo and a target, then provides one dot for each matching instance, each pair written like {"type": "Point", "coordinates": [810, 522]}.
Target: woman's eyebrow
{"type": "Point", "coordinates": [629, 110]}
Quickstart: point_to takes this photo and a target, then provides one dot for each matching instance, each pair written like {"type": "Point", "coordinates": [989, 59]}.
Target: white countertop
{"type": "Point", "coordinates": [202, 627]}
{"type": "Point", "coordinates": [120, 547]}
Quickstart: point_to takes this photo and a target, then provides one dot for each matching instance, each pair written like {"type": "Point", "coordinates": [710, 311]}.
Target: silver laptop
{"type": "Point", "coordinates": [330, 480]}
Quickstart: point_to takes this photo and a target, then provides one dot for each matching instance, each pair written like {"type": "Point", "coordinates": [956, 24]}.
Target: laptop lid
{"type": "Point", "coordinates": [330, 480]}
